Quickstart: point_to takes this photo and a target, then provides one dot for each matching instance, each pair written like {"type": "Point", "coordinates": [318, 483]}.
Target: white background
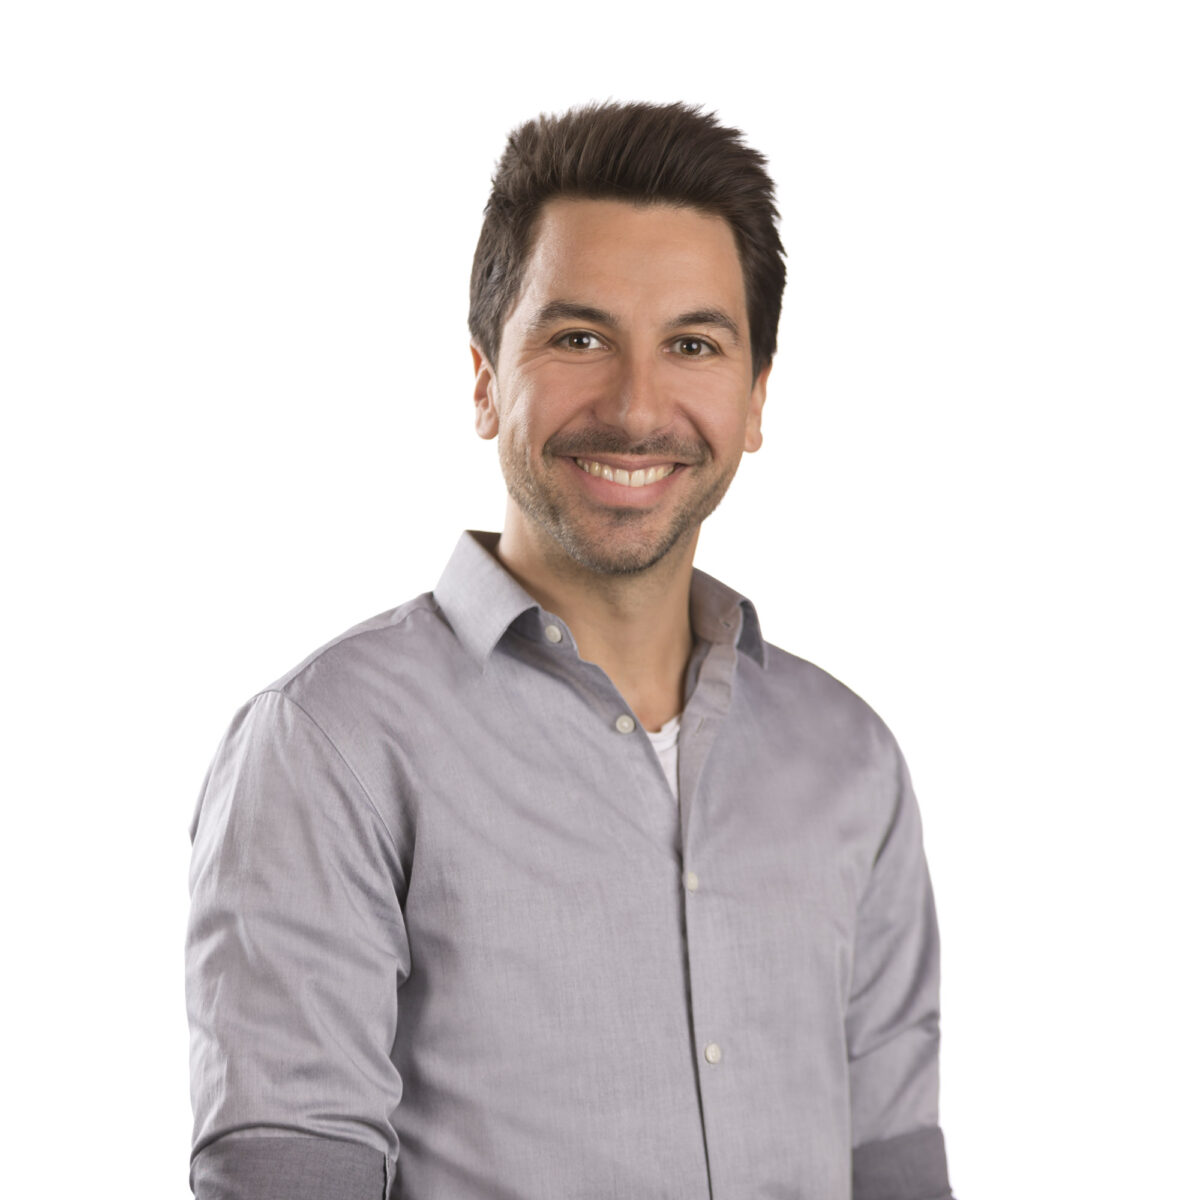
{"type": "Point", "coordinates": [236, 404]}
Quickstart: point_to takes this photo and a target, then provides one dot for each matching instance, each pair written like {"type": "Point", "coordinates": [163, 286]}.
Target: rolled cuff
{"type": "Point", "coordinates": [909, 1167]}
{"type": "Point", "coordinates": [288, 1168]}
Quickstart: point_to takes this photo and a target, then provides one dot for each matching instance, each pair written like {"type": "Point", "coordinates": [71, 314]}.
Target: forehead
{"type": "Point", "coordinates": [589, 247]}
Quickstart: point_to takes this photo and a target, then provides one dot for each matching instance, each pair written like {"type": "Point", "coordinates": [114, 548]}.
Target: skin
{"type": "Point", "coordinates": [628, 345]}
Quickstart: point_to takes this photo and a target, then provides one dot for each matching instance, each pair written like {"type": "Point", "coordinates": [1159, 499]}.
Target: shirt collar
{"type": "Point", "coordinates": [481, 600]}
{"type": "Point", "coordinates": [719, 614]}
{"type": "Point", "coordinates": [479, 597]}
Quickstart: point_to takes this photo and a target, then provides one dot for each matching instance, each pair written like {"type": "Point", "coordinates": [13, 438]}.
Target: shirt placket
{"type": "Point", "coordinates": [709, 692]}
{"type": "Point", "coordinates": [713, 1032]}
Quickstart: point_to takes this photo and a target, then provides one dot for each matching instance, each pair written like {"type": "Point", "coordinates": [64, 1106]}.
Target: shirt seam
{"type": "Point", "coordinates": [424, 603]}
{"type": "Point", "coordinates": [337, 750]}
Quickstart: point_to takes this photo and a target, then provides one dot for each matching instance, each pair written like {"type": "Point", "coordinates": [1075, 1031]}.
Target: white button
{"type": "Point", "coordinates": [625, 723]}
{"type": "Point", "coordinates": [553, 634]}
{"type": "Point", "coordinates": [712, 1052]}
{"type": "Point", "coordinates": [692, 882]}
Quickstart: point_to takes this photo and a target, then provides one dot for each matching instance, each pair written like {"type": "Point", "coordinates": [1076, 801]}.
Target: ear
{"type": "Point", "coordinates": [758, 397]}
{"type": "Point", "coordinates": [487, 418]}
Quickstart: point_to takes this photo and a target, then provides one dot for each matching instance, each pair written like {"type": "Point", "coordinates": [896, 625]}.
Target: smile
{"type": "Point", "coordinates": [633, 479]}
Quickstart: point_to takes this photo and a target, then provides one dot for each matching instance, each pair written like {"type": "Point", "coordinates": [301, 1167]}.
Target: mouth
{"type": "Point", "coordinates": [641, 477]}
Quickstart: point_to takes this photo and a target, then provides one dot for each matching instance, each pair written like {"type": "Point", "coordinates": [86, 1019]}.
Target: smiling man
{"type": "Point", "coordinates": [623, 394]}
{"type": "Point", "coordinates": [558, 881]}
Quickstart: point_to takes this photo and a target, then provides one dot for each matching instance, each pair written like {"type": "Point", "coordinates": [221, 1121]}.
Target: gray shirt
{"type": "Point", "coordinates": [452, 936]}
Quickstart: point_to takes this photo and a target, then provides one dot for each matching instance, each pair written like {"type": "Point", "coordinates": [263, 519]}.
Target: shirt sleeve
{"type": "Point", "coordinates": [295, 948]}
{"type": "Point", "coordinates": [892, 1020]}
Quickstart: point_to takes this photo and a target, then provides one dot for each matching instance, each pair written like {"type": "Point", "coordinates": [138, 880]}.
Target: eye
{"type": "Point", "coordinates": [694, 347]}
{"type": "Point", "coordinates": [580, 339]}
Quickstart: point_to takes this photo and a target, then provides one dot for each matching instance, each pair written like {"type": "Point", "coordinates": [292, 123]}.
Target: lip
{"type": "Point", "coordinates": [620, 495]}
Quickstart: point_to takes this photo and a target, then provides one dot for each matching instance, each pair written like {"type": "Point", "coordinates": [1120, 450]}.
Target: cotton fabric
{"type": "Point", "coordinates": [452, 935]}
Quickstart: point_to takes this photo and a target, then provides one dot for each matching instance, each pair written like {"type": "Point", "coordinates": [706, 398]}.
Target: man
{"type": "Point", "coordinates": [558, 881]}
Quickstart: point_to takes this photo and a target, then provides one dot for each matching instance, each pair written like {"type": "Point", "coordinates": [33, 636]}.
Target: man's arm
{"type": "Point", "coordinates": [892, 1029]}
{"type": "Point", "coordinates": [295, 947]}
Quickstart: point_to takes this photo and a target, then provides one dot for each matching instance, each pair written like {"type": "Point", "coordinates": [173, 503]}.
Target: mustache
{"type": "Point", "coordinates": [582, 443]}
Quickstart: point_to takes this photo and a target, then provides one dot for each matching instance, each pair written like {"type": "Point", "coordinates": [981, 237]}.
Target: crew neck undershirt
{"type": "Point", "coordinates": [666, 744]}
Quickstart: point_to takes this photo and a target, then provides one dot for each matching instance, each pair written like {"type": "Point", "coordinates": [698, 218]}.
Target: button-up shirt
{"type": "Point", "coordinates": [453, 937]}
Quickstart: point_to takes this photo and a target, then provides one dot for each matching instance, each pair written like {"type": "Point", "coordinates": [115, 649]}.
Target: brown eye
{"type": "Point", "coordinates": [692, 347]}
{"type": "Point", "coordinates": [579, 340]}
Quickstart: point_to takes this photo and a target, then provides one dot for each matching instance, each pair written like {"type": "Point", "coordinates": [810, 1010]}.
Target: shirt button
{"type": "Point", "coordinates": [692, 881]}
{"type": "Point", "coordinates": [712, 1052]}
{"type": "Point", "coordinates": [625, 723]}
{"type": "Point", "coordinates": [553, 634]}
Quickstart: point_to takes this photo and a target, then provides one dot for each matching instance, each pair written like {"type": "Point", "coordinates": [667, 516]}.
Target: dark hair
{"type": "Point", "coordinates": [642, 153]}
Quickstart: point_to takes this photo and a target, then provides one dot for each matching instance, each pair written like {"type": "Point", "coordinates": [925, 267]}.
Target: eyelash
{"type": "Point", "coordinates": [561, 340]}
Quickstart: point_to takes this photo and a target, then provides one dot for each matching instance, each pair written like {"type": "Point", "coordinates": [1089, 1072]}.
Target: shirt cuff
{"type": "Point", "coordinates": [288, 1168]}
{"type": "Point", "coordinates": [909, 1167]}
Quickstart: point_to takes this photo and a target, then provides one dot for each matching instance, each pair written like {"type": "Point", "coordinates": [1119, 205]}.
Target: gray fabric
{"type": "Point", "coordinates": [909, 1167]}
{"type": "Point", "coordinates": [443, 909]}
{"type": "Point", "coordinates": [288, 1168]}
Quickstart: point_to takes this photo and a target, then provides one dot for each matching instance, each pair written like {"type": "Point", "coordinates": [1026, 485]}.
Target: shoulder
{"type": "Point", "coordinates": [792, 693]}
{"type": "Point", "coordinates": [365, 667]}
{"type": "Point", "coordinates": [826, 743]}
{"type": "Point", "coordinates": [334, 715]}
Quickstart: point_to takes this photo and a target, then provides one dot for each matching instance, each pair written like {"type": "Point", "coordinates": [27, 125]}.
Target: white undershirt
{"type": "Point", "coordinates": [666, 743]}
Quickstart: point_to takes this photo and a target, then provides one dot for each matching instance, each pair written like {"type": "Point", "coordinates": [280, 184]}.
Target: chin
{"type": "Point", "coordinates": [615, 554]}
{"type": "Point", "coordinates": [633, 562]}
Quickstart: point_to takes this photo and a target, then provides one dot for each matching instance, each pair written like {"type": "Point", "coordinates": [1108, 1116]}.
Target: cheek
{"type": "Point", "coordinates": [520, 438]}
{"type": "Point", "coordinates": [719, 414]}
{"type": "Point", "coordinates": [560, 384]}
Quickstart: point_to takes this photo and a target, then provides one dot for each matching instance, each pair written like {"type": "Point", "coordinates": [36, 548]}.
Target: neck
{"type": "Point", "coordinates": [636, 628]}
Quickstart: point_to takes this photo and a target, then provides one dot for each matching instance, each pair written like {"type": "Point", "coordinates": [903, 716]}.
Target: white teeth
{"type": "Point", "coordinates": [634, 479]}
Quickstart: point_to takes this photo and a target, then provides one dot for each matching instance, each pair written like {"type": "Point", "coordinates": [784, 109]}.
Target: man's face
{"type": "Point", "coordinates": [623, 395]}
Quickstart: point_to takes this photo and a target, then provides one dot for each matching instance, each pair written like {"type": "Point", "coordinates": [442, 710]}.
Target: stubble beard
{"type": "Point", "coordinates": [608, 548]}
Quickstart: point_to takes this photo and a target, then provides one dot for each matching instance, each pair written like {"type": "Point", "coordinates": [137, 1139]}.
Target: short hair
{"type": "Point", "coordinates": [644, 154]}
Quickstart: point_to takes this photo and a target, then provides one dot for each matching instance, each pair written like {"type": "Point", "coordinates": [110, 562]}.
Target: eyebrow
{"type": "Point", "coordinates": [569, 310]}
{"type": "Point", "coordinates": [710, 316]}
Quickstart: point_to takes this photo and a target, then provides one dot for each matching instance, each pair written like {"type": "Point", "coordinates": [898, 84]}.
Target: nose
{"type": "Point", "coordinates": [637, 400]}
